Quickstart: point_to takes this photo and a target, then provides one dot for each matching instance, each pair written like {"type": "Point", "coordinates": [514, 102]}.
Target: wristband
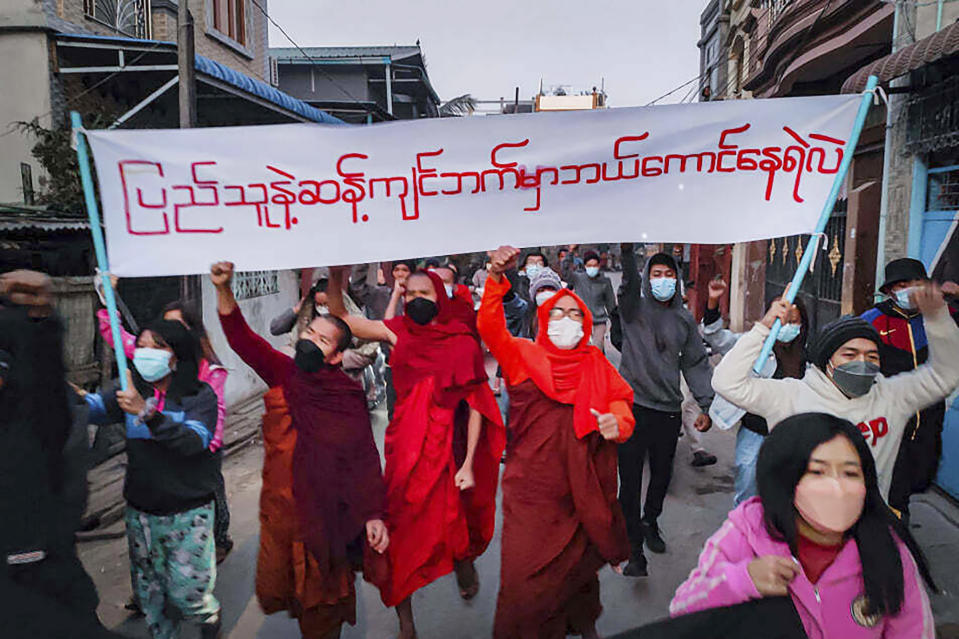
{"type": "Point", "coordinates": [149, 410]}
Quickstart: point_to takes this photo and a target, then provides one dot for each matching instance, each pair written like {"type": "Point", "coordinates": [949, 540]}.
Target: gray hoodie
{"type": "Point", "coordinates": [596, 292]}
{"type": "Point", "coordinates": [660, 341]}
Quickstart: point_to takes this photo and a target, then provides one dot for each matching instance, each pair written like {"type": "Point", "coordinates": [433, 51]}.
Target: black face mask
{"type": "Point", "coordinates": [422, 311]}
{"type": "Point", "coordinates": [309, 357]}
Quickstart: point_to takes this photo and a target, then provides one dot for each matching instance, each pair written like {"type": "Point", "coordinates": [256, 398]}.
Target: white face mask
{"type": "Point", "coordinates": [544, 296]}
{"type": "Point", "coordinates": [533, 270]}
{"type": "Point", "coordinates": [449, 290]}
{"type": "Point", "coordinates": [565, 333]}
{"type": "Point", "coordinates": [321, 309]}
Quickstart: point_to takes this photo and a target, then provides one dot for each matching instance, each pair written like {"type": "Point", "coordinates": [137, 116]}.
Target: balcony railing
{"type": "Point", "coordinates": [128, 17]}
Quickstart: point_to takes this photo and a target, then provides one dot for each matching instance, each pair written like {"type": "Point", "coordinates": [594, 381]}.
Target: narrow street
{"type": "Point", "coordinates": [696, 506]}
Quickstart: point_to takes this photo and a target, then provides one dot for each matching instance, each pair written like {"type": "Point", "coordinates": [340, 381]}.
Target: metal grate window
{"type": "Point", "coordinates": [251, 284]}
{"type": "Point", "coordinates": [129, 17]}
{"type": "Point", "coordinates": [774, 7]}
{"type": "Point", "coordinates": [933, 118]}
{"type": "Point", "coordinates": [943, 191]}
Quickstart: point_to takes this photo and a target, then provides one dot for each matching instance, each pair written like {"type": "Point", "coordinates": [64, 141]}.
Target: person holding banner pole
{"type": "Point", "coordinates": [337, 485]}
{"type": "Point", "coordinates": [787, 360]}
{"type": "Point", "coordinates": [561, 520]}
{"type": "Point", "coordinates": [212, 372]}
{"type": "Point", "coordinates": [845, 378]}
{"type": "Point", "coordinates": [171, 476]}
{"type": "Point", "coordinates": [443, 444]}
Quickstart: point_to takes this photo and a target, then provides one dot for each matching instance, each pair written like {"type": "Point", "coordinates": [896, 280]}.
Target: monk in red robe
{"type": "Point", "coordinates": [561, 519]}
{"type": "Point", "coordinates": [443, 445]}
{"type": "Point", "coordinates": [323, 500]}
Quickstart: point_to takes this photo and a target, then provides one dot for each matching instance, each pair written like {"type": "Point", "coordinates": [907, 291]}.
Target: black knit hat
{"type": "Point", "coordinates": [662, 259]}
{"type": "Point", "coordinates": [903, 270]}
{"type": "Point", "coordinates": [836, 333]}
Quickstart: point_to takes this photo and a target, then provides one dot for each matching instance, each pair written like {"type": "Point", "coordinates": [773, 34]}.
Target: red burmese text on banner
{"type": "Point", "coordinates": [287, 196]}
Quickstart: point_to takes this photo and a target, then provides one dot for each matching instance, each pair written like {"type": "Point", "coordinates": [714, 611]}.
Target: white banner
{"type": "Point", "coordinates": [300, 195]}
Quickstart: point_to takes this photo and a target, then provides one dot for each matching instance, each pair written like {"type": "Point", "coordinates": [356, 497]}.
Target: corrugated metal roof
{"type": "Point", "coordinates": [263, 90]}
{"type": "Point", "coordinates": [19, 221]}
{"type": "Point", "coordinates": [942, 44]}
{"type": "Point", "coordinates": [230, 76]}
{"type": "Point", "coordinates": [393, 52]}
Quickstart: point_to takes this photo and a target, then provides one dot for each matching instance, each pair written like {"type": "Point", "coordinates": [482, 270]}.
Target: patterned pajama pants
{"type": "Point", "coordinates": [173, 565]}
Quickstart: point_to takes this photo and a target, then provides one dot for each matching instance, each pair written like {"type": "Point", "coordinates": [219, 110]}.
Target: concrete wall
{"type": "Point", "coordinates": [926, 17]}
{"type": "Point", "coordinates": [25, 78]}
{"type": "Point", "coordinates": [243, 384]}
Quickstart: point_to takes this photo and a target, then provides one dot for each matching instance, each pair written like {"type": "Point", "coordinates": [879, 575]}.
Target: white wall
{"type": "Point", "coordinates": [25, 94]}
{"type": "Point", "coordinates": [242, 383]}
{"type": "Point", "coordinates": [926, 15]}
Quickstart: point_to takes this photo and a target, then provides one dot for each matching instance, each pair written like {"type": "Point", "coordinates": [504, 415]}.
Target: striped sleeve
{"type": "Point", "coordinates": [721, 578]}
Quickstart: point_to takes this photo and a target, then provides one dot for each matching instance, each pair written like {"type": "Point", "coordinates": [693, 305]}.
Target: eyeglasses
{"type": "Point", "coordinates": [559, 313]}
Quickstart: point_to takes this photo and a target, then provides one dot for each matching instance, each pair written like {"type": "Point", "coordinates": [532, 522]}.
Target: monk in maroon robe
{"type": "Point", "coordinates": [337, 484]}
{"type": "Point", "coordinates": [561, 519]}
{"type": "Point", "coordinates": [443, 445]}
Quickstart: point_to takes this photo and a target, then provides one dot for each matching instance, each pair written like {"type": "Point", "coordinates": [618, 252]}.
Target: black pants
{"type": "Point", "coordinates": [656, 433]}
{"type": "Point", "coordinates": [221, 516]}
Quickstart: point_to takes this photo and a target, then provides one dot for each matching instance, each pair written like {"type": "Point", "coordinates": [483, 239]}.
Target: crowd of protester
{"type": "Point", "coordinates": [497, 381]}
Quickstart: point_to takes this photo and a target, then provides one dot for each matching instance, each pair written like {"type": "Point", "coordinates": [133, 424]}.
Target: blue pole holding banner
{"type": "Point", "coordinates": [99, 246]}
{"type": "Point", "coordinates": [813, 244]}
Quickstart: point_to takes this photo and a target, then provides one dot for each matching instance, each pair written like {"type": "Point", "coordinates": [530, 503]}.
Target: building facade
{"type": "Point", "coordinates": [920, 198]}
{"type": "Point", "coordinates": [714, 28]}
{"type": "Point", "coordinates": [359, 84]}
{"type": "Point", "coordinates": [781, 48]}
{"type": "Point", "coordinates": [115, 61]}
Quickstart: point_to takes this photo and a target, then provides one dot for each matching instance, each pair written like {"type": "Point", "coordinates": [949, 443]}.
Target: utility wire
{"type": "Point", "coordinates": [314, 62]}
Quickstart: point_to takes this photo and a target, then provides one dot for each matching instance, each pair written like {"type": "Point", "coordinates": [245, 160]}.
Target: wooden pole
{"type": "Point", "coordinates": [186, 65]}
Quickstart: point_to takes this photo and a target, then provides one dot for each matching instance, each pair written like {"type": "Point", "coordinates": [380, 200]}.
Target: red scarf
{"type": "Point", "coordinates": [581, 376]}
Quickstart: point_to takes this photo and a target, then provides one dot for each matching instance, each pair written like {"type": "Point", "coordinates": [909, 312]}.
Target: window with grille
{"type": "Point", "coordinates": [229, 18]}
{"type": "Point", "coordinates": [775, 7]}
{"type": "Point", "coordinates": [251, 284]}
{"type": "Point", "coordinates": [943, 191]}
{"type": "Point", "coordinates": [129, 17]}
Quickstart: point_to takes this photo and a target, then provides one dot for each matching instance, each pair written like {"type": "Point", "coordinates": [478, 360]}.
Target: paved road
{"type": "Point", "coordinates": [695, 507]}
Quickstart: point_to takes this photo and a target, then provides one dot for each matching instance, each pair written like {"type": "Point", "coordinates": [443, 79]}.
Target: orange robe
{"type": "Point", "coordinates": [561, 518]}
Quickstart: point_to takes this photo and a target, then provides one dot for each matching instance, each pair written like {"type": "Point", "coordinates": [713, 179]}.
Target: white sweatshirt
{"type": "Point", "coordinates": [881, 414]}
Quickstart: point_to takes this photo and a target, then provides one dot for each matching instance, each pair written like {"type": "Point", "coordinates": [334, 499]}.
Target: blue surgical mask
{"type": "Point", "coordinates": [592, 271]}
{"type": "Point", "coordinates": [533, 270]}
{"type": "Point", "coordinates": [788, 333]}
{"type": "Point", "coordinates": [903, 301]}
{"type": "Point", "coordinates": [153, 364]}
{"type": "Point", "coordinates": [663, 288]}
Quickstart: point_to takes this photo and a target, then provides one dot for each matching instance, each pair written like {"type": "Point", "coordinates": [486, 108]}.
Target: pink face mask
{"type": "Point", "coordinates": [830, 504]}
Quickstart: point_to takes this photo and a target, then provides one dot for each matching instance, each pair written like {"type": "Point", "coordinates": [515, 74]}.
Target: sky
{"type": "Point", "coordinates": [642, 48]}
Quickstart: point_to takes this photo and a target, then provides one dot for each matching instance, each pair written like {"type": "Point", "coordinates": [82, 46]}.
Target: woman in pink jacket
{"type": "Point", "coordinates": [820, 533]}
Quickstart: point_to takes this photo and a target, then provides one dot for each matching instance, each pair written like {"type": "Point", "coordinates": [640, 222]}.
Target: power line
{"type": "Point", "coordinates": [314, 62]}
{"type": "Point", "coordinates": [681, 86]}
